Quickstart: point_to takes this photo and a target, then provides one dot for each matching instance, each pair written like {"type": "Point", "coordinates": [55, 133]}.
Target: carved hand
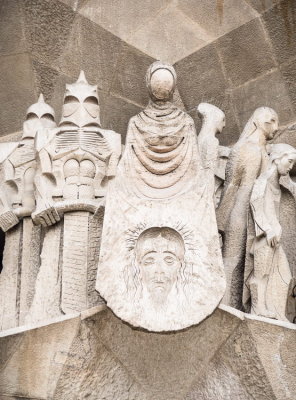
{"type": "Point", "coordinates": [46, 216]}
{"type": "Point", "coordinates": [272, 238]}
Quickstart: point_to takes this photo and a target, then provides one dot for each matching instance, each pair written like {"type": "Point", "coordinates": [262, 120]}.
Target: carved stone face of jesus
{"type": "Point", "coordinates": [162, 84]}
{"type": "Point", "coordinates": [159, 255]}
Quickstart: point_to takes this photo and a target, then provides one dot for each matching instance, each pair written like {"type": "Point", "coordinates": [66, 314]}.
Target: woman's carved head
{"type": "Point", "coordinates": [283, 156]}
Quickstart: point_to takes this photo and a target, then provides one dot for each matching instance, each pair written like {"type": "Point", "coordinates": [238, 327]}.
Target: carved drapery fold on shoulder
{"type": "Point", "coordinates": [160, 263]}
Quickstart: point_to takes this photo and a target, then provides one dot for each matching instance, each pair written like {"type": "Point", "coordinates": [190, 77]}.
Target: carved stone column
{"type": "Point", "coordinates": [81, 243]}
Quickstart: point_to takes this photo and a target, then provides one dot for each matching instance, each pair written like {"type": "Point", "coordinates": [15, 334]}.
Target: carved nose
{"type": "Point", "coordinates": [159, 275]}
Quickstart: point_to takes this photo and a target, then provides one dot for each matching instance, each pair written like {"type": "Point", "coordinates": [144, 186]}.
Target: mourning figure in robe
{"type": "Point", "coordinates": [267, 279]}
{"type": "Point", "coordinates": [247, 159]}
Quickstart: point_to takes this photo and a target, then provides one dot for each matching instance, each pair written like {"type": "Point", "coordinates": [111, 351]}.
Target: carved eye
{"type": "Point", "coordinates": [169, 260]}
{"type": "Point", "coordinates": [31, 116]}
{"type": "Point", "coordinates": [273, 120]}
{"type": "Point", "coordinates": [91, 100]}
{"type": "Point", "coordinates": [71, 104]}
{"type": "Point", "coordinates": [92, 106]}
{"type": "Point", "coordinates": [148, 261]}
{"type": "Point", "coordinates": [48, 116]}
{"type": "Point", "coordinates": [70, 99]}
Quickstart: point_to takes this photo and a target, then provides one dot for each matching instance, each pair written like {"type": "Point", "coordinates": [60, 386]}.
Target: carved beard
{"type": "Point", "coordinates": [162, 308]}
{"type": "Point", "coordinates": [159, 298]}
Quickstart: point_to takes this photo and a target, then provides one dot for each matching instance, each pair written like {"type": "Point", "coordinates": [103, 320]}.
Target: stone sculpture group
{"type": "Point", "coordinates": [162, 231]}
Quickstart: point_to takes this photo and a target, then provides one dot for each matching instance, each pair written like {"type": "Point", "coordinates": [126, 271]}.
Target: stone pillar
{"type": "Point", "coordinates": [21, 262]}
{"type": "Point", "coordinates": [81, 244]}
{"type": "Point", "coordinates": [75, 257]}
{"type": "Point", "coordinates": [46, 302]}
{"type": "Point", "coordinates": [30, 262]}
{"type": "Point", "coordinates": [10, 278]}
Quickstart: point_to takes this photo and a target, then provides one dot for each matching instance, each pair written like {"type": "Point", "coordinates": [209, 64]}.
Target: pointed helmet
{"type": "Point", "coordinates": [39, 115]}
{"type": "Point", "coordinates": [81, 105]}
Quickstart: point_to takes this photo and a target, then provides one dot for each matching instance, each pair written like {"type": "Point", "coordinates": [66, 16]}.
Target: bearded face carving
{"type": "Point", "coordinates": [159, 258]}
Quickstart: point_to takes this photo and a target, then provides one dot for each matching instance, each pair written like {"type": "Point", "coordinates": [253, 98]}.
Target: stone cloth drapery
{"type": "Point", "coordinates": [160, 186]}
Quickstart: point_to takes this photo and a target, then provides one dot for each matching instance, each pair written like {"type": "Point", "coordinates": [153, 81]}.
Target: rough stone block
{"type": "Point", "coordinates": [75, 5]}
{"type": "Point", "coordinates": [93, 49]}
{"type": "Point", "coordinates": [122, 18]}
{"type": "Point", "coordinates": [129, 80]}
{"type": "Point", "coordinates": [288, 71]}
{"type": "Point", "coordinates": [17, 91]}
{"type": "Point", "coordinates": [116, 113]}
{"type": "Point", "coordinates": [230, 355]}
{"type": "Point", "coordinates": [241, 62]}
{"type": "Point", "coordinates": [170, 36]}
{"type": "Point", "coordinates": [268, 90]}
{"type": "Point", "coordinates": [11, 28]}
{"type": "Point", "coordinates": [200, 77]}
{"type": "Point", "coordinates": [262, 5]}
{"type": "Point", "coordinates": [47, 27]}
{"type": "Point", "coordinates": [275, 349]}
{"type": "Point", "coordinates": [45, 78]}
{"type": "Point", "coordinates": [229, 376]}
{"type": "Point", "coordinates": [92, 371]}
{"type": "Point", "coordinates": [41, 349]}
{"type": "Point", "coordinates": [280, 24]}
{"type": "Point", "coordinates": [218, 17]}
{"type": "Point", "coordinates": [152, 358]}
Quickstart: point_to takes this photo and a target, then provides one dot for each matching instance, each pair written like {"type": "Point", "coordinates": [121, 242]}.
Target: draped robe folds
{"type": "Point", "coordinates": [160, 183]}
{"type": "Point", "coordinates": [162, 155]}
{"type": "Point", "coordinates": [267, 271]}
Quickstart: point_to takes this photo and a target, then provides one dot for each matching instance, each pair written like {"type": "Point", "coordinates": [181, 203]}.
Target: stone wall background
{"type": "Point", "coordinates": [237, 54]}
{"type": "Point", "coordinates": [228, 356]}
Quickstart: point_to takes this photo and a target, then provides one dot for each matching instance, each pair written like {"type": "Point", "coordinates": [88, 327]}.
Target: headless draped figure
{"type": "Point", "coordinates": [248, 158]}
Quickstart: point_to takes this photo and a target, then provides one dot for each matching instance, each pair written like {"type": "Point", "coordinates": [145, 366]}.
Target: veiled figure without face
{"type": "Point", "coordinates": [161, 186]}
{"type": "Point", "coordinates": [161, 149]}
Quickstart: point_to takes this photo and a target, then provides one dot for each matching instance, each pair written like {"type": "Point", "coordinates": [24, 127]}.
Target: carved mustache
{"type": "Point", "coordinates": [160, 280]}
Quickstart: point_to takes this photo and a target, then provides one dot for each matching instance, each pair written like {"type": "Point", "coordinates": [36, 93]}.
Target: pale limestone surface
{"type": "Point", "coordinates": [76, 161]}
{"type": "Point", "coordinates": [208, 145]}
{"type": "Point", "coordinates": [160, 263]}
{"type": "Point", "coordinates": [267, 280]}
{"type": "Point", "coordinates": [44, 45]}
{"type": "Point", "coordinates": [223, 156]}
{"type": "Point", "coordinates": [247, 159]}
{"type": "Point", "coordinates": [41, 53]}
{"type": "Point", "coordinates": [95, 355]}
{"type": "Point", "coordinates": [167, 30]}
{"type": "Point", "coordinates": [22, 244]}
{"type": "Point", "coordinates": [19, 166]}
